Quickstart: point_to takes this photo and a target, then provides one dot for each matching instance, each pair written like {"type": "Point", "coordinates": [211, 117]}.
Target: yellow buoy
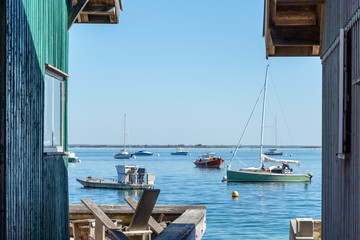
{"type": "Point", "coordinates": [235, 194]}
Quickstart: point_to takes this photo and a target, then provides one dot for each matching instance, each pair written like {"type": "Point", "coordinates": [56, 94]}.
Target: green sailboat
{"type": "Point", "coordinates": [278, 173]}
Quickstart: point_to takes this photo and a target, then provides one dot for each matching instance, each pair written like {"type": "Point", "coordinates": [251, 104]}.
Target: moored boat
{"type": "Point", "coordinates": [278, 173]}
{"type": "Point", "coordinates": [143, 153]}
{"type": "Point", "coordinates": [129, 177]}
{"type": "Point", "coordinates": [273, 152]}
{"type": "Point", "coordinates": [180, 151]}
{"type": "Point", "coordinates": [208, 160]}
{"type": "Point", "coordinates": [72, 158]}
{"type": "Point", "coordinates": [123, 154]}
{"type": "Point", "coordinates": [261, 174]}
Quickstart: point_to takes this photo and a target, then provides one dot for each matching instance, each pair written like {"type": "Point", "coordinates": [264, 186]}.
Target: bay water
{"type": "Point", "coordinates": [262, 210]}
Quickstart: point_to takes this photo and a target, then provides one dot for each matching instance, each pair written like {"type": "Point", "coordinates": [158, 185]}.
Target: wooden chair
{"type": "Point", "coordinates": [143, 209]}
{"type": "Point", "coordinates": [103, 222]}
{"type": "Point", "coordinates": [139, 223]}
{"type": "Point", "coordinates": [153, 224]}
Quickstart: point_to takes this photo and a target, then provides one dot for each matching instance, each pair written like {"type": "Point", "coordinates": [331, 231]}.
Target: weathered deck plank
{"type": "Point", "coordinates": [154, 225]}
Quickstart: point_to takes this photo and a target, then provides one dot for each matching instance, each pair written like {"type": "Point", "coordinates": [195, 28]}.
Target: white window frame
{"type": "Point", "coordinates": [55, 77]}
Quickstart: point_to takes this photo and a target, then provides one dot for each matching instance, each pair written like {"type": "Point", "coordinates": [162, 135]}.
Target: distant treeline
{"type": "Point", "coordinates": [185, 146]}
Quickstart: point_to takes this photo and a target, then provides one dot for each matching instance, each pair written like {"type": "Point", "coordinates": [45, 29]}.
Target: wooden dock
{"type": "Point", "coordinates": [186, 222]}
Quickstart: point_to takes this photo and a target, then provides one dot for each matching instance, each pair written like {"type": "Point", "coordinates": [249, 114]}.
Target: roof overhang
{"type": "Point", "coordinates": [95, 11]}
{"type": "Point", "coordinates": [292, 27]}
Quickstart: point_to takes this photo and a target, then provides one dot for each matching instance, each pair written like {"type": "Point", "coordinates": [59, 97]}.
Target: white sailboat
{"type": "Point", "coordinates": [274, 151]}
{"type": "Point", "coordinates": [123, 154]}
{"type": "Point", "coordinates": [280, 173]}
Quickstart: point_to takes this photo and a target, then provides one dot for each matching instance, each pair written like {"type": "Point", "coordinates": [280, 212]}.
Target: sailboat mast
{"type": "Point", "coordinates": [263, 116]}
{"type": "Point", "coordinates": [124, 131]}
{"type": "Point", "coordinates": [275, 133]}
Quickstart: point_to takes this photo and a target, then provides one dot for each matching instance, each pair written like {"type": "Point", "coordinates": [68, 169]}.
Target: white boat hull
{"type": "Point", "coordinates": [103, 183]}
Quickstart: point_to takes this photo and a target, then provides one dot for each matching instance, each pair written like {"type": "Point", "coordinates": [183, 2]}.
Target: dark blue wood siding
{"type": "Point", "coordinates": [36, 185]}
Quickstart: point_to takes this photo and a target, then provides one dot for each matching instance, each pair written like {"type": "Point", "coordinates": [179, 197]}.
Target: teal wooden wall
{"type": "Point", "coordinates": [36, 200]}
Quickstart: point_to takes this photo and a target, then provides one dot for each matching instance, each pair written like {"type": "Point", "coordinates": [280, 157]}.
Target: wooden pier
{"type": "Point", "coordinates": [141, 220]}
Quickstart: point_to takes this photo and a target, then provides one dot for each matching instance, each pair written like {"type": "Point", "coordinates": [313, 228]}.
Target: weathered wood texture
{"type": "Point", "coordinates": [154, 225]}
{"type": "Point", "coordinates": [55, 199]}
{"type": "Point", "coordinates": [331, 24]}
{"type": "Point", "coordinates": [332, 168]}
{"type": "Point", "coordinates": [2, 121]}
{"type": "Point", "coordinates": [292, 27]}
{"type": "Point", "coordinates": [125, 212]}
{"type": "Point", "coordinates": [341, 177]}
{"type": "Point", "coordinates": [102, 221]}
{"type": "Point", "coordinates": [36, 34]}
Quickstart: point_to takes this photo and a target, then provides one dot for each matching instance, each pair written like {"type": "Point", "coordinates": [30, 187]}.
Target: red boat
{"type": "Point", "coordinates": [208, 160]}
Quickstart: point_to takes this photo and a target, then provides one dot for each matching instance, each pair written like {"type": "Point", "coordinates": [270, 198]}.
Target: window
{"type": "Point", "coordinates": [53, 111]}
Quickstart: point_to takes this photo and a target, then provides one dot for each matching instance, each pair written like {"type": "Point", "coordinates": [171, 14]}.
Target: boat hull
{"type": "Point", "coordinates": [179, 153]}
{"type": "Point", "coordinates": [122, 156]}
{"type": "Point", "coordinates": [143, 154]}
{"type": "Point", "coordinates": [274, 153]}
{"type": "Point", "coordinates": [103, 183]}
{"type": "Point", "coordinates": [247, 176]}
{"type": "Point", "coordinates": [209, 164]}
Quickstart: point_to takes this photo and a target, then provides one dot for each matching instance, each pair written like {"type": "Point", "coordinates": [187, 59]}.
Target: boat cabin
{"type": "Point", "coordinates": [134, 175]}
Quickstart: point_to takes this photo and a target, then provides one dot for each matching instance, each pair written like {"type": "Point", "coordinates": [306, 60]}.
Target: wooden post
{"type": "Point", "coordinates": [99, 230]}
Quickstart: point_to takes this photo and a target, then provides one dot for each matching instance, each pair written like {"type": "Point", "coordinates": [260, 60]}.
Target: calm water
{"type": "Point", "coordinates": [262, 210]}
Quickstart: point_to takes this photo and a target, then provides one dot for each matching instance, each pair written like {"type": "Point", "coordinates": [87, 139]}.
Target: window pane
{"type": "Point", "coordinates": [48, 111]}
{"type": "Point", "coordinates": [57, 112]}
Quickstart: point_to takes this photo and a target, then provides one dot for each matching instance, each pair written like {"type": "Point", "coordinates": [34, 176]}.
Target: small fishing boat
{"type": "Point", "coordinates": [143, 153]}
{"type": "Point", "coordinates": [129, 177]}
{"type": "Point", "coordinates": [279, 173]}
{"type": "Point", "coordinates": [273, 151]}
{"type": "Point", "coordinates": [208, 160]}
{"type": "Point", "coordinates": [180, 151]}
{"type": "Point", "coordinates": [123, 154]}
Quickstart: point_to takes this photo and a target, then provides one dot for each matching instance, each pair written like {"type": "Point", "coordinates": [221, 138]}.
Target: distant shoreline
{"type": "Point", "coordinates": [186, 146]}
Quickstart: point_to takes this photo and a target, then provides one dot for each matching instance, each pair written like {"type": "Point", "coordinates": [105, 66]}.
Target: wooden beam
{"type": "Point", "coordinates": [118, 8]}
{"type": "Point", "coordinates": [296, 15]}
{"type": "Point", "coordinates": [120, 209]}
{"type": "Point", "coordinates": [57, 71]}
{"type": "Point", "coordinates": [76, 11]}
{"type": "Point", "coordinates": [299, 2]}
{"type": "Point", "coordinates": [154, 225]}
{"type": "Point", "coordinates": [295, 35]}
{"type": "Point", "coordinates": [316, 50]}
{"type": "Point", "coordinates": [293, 51]}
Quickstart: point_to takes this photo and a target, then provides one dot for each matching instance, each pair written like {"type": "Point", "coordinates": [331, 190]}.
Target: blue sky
{"type": "Point", "coordinates": [187, 72]}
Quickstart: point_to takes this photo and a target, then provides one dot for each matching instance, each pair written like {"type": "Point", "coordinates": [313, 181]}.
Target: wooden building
{"type": "Point", "coordinates": [33, 112]}
{"type": "Point", "coordinates": [329, 29]}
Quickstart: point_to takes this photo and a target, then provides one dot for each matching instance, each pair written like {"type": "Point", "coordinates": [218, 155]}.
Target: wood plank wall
{"type": "Point", "coordinates": [36, 34]}
{"type": "Point", "coordinates": [332, 169]}
{"type": "Point", "coordinates": [341, 178]}
{"type": "Point", "coordinates": [2, 121]}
